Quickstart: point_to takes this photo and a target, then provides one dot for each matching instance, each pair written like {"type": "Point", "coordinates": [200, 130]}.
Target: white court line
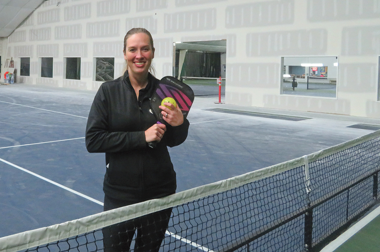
{"type": "Point", "coordinates": [351, 231]}
{"type": "Point", "coordinates": [188, 242]}
{"type": "Point", "coordinates": [47, 110]}
{"type": "Point", "coordinates": [55, 141]}
{"type": "Point", "coordinates": [52, 182]}
{"type": "Point", "coordinates": [98, 202]}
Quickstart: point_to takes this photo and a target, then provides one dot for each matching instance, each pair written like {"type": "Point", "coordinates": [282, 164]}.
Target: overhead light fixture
{"type": "Point", "coordinates": [312, 64]}
{"type": "Point", "coordinates": [286, 75]}
{"type": "Point", "coordinates": [336, 64]}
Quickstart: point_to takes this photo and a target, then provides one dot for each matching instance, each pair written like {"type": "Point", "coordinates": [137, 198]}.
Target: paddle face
{"type": "Point", "coordinates": [179, 91]}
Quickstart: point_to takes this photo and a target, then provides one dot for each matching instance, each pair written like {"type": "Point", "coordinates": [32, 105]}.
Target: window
{"type": "Point", "coordinates": [47, 67]}
{"type": "Point", "coordinates": [104, 69]}
{"type": "Point", "coordinates": [73, 68]}
{"type": "Point", "coordinates": [25, 67]}
{"type": "Point", "coordinates": [311, 76]}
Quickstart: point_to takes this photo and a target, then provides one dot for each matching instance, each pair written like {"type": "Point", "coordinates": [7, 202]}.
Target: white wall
{"type": "Point", "coordinates": [3, 49]}
{"type": "Point", "coordinates": [258, 34]}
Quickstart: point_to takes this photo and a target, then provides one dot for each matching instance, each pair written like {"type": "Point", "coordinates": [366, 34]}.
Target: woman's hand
{"type": "Point", "coordinates": [172, 114]}
{"type": "Point", "coordinates": [155, 133]}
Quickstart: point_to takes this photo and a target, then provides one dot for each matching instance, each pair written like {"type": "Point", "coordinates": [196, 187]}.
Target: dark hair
{"type": "Point", "coordinates": [135, 31]}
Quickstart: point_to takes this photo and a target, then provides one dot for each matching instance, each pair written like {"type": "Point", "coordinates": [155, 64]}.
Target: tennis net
{"type": "Point", "coordinates": [293, 206]}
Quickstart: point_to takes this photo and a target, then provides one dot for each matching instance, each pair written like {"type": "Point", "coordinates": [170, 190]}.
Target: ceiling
{"type": "Point", "coordinates": [14, 12]}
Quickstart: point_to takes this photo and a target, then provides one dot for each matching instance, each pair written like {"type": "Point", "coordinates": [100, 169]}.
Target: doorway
{"type": "Point", "coordinates": [200, 64]}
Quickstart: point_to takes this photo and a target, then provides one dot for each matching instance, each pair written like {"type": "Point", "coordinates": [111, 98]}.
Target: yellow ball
{"type": "Point", "coordinates": [168, 100]}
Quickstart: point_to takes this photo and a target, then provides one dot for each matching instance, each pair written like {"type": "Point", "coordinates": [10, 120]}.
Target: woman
{"type": "Point", "coordinates": [121, 124]}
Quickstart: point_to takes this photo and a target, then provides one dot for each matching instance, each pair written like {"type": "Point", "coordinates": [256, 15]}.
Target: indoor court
{"type": "Point", "coordinates": [283, 149]}
{"type": "Point", "coordinates": [48, 177]}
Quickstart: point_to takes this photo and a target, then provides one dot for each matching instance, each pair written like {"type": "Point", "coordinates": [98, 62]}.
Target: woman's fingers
{"type": "Point", "coordinates": [172, 114]}
{"type": "Point", "coordinates": [155, 133]}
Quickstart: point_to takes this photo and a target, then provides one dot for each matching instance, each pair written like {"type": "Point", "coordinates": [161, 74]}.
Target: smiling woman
{"type": "Point", "coordinates": [121, 124]}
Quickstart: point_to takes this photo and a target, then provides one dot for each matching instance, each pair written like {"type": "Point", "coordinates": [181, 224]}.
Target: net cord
{"type": "Point", "coordinates": [97, 221]}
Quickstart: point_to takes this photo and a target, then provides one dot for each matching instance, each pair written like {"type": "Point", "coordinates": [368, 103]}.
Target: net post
{"type": "Point", "coordinates": [348, 203]}
{"type": "Point", "coordinates": [308, 229]}
{"type": "Point", "coordinates": [308, 239]}
{"type": "Point", "coordinates": [375, 185]}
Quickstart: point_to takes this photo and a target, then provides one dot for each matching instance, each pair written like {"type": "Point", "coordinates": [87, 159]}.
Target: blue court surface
{"type": "Point", "coordinates": [48, 177]}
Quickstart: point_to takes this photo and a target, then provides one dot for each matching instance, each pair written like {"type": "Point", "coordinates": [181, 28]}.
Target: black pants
{"type": "Point", "coordinates": [150, 229]}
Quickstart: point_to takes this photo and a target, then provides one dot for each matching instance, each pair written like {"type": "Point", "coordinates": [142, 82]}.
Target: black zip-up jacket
{"type": "Point", "coordinates": [116, 125]}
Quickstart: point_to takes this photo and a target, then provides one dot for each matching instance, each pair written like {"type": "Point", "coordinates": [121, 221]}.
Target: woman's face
{"type": "Point", "coordinates": [138, 54]}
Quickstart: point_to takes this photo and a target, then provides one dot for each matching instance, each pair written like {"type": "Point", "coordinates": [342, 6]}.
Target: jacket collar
{"type": "Point", "coordinates": [149, 89]}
